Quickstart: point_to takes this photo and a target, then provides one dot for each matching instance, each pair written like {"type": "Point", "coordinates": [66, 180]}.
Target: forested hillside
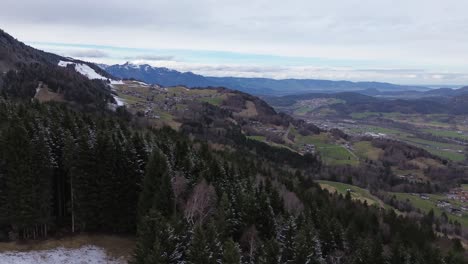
{"type": "Point", "coordinates": [210, 192]}
{"type": "Point", "coordinates": [67, 171]}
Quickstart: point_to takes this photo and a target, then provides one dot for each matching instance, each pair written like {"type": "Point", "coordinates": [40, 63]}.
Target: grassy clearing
{"type": "Point", "coordinates": [337, 155]}
{"type": "Point", "coordinates": [258, 138]}
{"type": "Point", "coordinates": [443, 150]}
{"type": "Point", "coordinates": [250, 110]}
{"type": "Point", "coordinates": [364, 149]}
{"type": "Point", "coordinates": [302, 110]}
{"type": "Point", "coordinates": [426, 205]}
{"type": "Point", "coordinates": [212, 100]}
{"type": "Point", "coordinates": [357, 193]}
{"type": "Point", "coordinates": [331, 152]}
{"type": "Point", "coordinates": [321, 140]}
{"type": "Point", "coordinates": [446, 133]}
{"type": "Point", "coordinates": [448, 155]}
{"type": "Point", "coordinates": [364, 115]}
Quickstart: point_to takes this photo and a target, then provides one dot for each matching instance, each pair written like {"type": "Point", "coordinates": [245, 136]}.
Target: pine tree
{"type": "Point", "coordinates": [69, 152]}
{"type": "Point", "coordinates": [147, 238]}
{"type": "Point", "coordinates": [214, 244]}
{"type": "Point", "coordinates": [269, 252]}
{"type": "Point", "coordinates": [286, 239]}
{"type": "Point", "coordinates": [157, 192]}
{"type": "Point", "coordinates": [231, 254]}
{"type": "Point", "coordinates": [87, 198]}
{"type": "Point", "coordinates": [20, 178]}
{"type": "Point", "coordinates": [42, 166]}
{"type": "Point", "coordinates": [198, 251]}
{"type": "Point", "coordinates": [308, 247]}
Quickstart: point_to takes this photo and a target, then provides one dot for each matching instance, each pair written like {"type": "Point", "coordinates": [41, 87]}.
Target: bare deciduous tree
{"type": "Point", "coordinates": [201, 202]}
{"type": "Point", "coordinates": [179, 186]}
{"type": "Point", "coordinates": [291, 202]}
{"type": "Point", "coordinates": [249, 242]}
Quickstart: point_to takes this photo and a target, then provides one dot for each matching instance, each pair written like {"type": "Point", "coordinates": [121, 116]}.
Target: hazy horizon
{"type": "Point", "coordinates": [413, 43]}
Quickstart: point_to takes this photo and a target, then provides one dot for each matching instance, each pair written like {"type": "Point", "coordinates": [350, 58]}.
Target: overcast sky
{"type": "Point", "coordinates": [402, 41]}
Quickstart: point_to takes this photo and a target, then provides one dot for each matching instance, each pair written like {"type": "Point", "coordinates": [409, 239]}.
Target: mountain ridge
{"type": "Point", "coordinates": [24, 71]}
{"type": "Point", "coordinates": [259, 86]}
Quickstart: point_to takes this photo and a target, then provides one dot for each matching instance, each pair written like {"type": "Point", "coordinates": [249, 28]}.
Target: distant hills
{"type": "Point", "coordinates": [439, 101]}
{"type": "Point", "coordinates": [258, 86]}
{"type": "Point", "coordinates": [440, 92]}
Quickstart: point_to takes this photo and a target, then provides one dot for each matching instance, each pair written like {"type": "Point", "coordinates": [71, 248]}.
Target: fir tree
{"type": "Point", "coordinates": [231, 254]}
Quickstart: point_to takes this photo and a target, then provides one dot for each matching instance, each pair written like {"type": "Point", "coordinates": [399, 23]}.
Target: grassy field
{"type": "Point", "coordinates": [337, 155]}
{"type": "Point", "coordinates": [332, 153]}
{"type": "Point", "coordinates": [365, 150]}
{"type": "Point", "coordinates": [363, 115]}
{"type": "Point", "coordinates": [357, 193]}
{"type": "Point", "coordinates": [427, 205]}
{"type": "Point", "coordinates": [212, 100]}
{"type": "Point", "coordinates": [443, 150]}
{"type": "Point", "coordinates": [258, 138]}
{"type": "Point", "coordinates": [446, 133]}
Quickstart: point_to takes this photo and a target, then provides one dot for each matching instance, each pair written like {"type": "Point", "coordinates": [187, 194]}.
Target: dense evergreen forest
{"type": "Point", "coordinates": [69, 171]}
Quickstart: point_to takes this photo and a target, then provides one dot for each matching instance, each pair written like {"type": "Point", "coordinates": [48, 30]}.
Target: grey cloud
{"type": "Point", "coordinates": [240, 68]}
{"type": "Point", "coordinates": [152, 57]}
{"type": "Point", "coordinates": [87, 54]}
{"type": "Point", "coordinates": [424, 34]}
{"type": "Point", "coordinates": [393, 70]}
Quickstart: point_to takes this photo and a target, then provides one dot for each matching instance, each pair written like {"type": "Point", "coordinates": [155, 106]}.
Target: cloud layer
{"type": "Point", "coordinates": [428, 35]}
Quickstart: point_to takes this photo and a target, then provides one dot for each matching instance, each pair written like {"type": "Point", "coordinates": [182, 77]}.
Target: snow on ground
{"type": "Point", "coordinates": [92, 74]}
{"type": "Point", "coordinates": [83, 255]}
{"type": "Point", "coordinates": [119, 101]}
{"type": "Point", "coordinates": [83, 69]}
{"type": "Point", "coordinates": [116, 82]}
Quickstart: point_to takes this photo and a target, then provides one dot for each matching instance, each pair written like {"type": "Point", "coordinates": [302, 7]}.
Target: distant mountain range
{"type": "Point", "coordinates": [438, 101]}
{"type": "Point", "coordinates": [440, 92]}
{"type": "Point", "coordinates": [258, 86]}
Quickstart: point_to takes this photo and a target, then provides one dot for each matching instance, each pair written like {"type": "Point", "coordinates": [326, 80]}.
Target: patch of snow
{"type": "Point", "coordinates": [84, 69]}
{"type": "Point", "coordinates": [116, 82]}
{"type": "Point", "coordinates": [119, 101]}
{"type": "Point", "coordinates": [85, 254]}
{"type": "Point", "coordinates": [142, 83]}
{"type": "Point", "coordinates": [38, 89]}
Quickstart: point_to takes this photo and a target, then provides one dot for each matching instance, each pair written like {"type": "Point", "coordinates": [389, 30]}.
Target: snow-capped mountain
{"type": "Point", "coordinates": [156, 75]}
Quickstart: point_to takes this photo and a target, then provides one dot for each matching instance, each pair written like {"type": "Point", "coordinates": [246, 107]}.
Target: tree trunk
{"type": "Point", "coordinates": [72, 205]}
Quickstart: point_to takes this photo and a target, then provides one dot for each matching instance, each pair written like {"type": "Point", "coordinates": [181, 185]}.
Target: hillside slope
{"type": "Point", "coordinates": [24, 71]}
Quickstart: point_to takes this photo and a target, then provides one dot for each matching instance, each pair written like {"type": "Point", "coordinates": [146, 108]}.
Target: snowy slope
{"type": "Point", "coordinates": [119, 101]}
{"type": "Point", "coordinates": [86, 254]}
{"type": "Point", "coordinates": [92, 75]}
{"type": "Point", "coordinates": [83, 69]}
